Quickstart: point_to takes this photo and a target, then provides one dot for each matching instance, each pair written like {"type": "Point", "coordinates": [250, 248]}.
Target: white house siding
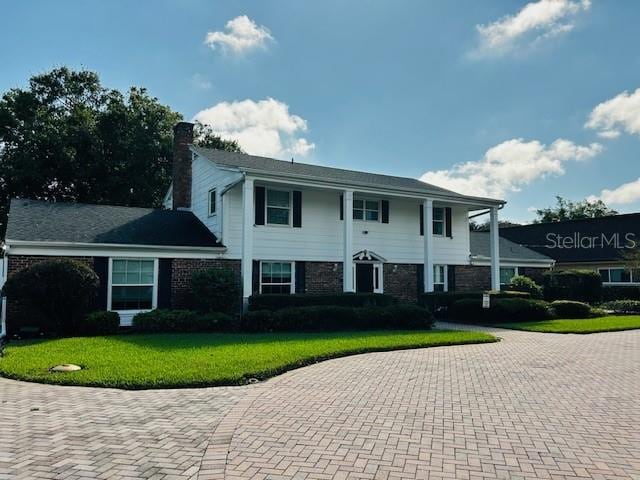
{"type": "Point", "coordinates": [320, 238]}
{"type": "Point", "coordinates": [205, 176]}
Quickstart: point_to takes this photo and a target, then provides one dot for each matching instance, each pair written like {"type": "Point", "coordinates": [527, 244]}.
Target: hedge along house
{"type": "Point", "coordinates": [609, 245]}
{"type": "Point", "coordinates": [285, 227]}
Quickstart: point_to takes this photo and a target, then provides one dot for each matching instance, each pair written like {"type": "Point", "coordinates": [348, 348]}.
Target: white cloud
{"type": "Point", "coordinates": [263, 128]}
{"type": "Point", "coordinates": [624, 194]}
{"type": "Point", "coordinates": [240, 35]}
{"type": "Point", "coordinates": [536, 22]}
{"type": "Point", "coordinates": [510, 165]}
{"type": "Point", "coordinates": [201, 82]}
{"type": "Point", "coordinates": [611, 117]}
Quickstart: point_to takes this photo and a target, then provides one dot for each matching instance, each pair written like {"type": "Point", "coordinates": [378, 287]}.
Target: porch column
{"type": "Point", "coordinates": [494, 235]}
{"type": "Point", "coordinates": [247, 241]}
{"type": "Point", "coordinates": [427, 208]}
{"type": "Point", "coordinates": [347, 263]}
{"type": "Point", "coordinates": [4, 272]}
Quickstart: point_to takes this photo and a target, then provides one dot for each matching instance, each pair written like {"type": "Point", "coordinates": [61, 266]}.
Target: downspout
{"type": "Point", "coordinates": [221, 213]}
{"type": "Point", "coordinates": [3, 279]}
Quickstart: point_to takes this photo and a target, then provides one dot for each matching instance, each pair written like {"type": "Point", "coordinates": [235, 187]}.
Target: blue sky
{"type": "Point", "coordinates": [490, 97]}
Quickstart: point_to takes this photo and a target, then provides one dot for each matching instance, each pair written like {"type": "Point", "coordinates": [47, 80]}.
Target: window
{"type": "Point", "coordinates": [438, 221]}
{"type": "Point", "coordinates": [276, 277]}
{"type": "Point", "coordinates": [212, 202]}
{"type": "Point", "coordinates": [367, 210]}
{"type": "Point", "coordinates": [619, 275]}
{"type": "Point", "coordinates": [439, 278]}
{"type": "Point", "coordinates": [278, 206]}
{"type": "Point", "coordinates": [507, 274]}
{"type": "Point", "coordinates": [132, 284]}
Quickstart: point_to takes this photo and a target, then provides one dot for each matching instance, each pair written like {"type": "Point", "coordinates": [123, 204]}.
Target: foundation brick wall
{"type": "Point", "coordinates": [323, 277]}
{"type": "Point", "coordinates": [401, 281]}
{"type": "Point", "coordinates": [472, 278]}
{"type": "Point", "coordinates": [183, 268]}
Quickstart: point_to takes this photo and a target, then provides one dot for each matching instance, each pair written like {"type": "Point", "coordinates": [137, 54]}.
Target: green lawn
{"type": "Point", "coordinates": [187, 360]}
{"type": "Point", "coordinates": [587, 325]}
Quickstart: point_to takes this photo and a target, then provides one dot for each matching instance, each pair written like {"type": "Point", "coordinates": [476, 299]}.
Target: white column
{"type": "Point", "coordinates": [427, 207]}
{"type": "Point", "coordinates": [347, 263]}
{"type": "Point", "coordinates": [494, 235]}
{"type": "Point", "coordinates": [4, 272]}
{"type": "Point", "coordinates": [248, 220]}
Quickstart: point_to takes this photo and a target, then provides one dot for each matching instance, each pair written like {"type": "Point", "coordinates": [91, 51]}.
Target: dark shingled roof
{"type": "Point", "coordinates": [535, 237]}
{"type": "Point", "coordinates": [252, 162]}
{"type": "Point", "coordinates": [33, 220]}
{"type": "Point", "coordinates": [479, 244]}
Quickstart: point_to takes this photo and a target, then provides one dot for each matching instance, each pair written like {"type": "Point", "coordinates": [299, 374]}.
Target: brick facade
{"type": "Point", "coordinates": [323, 277]}
{"type": "Point", "coordinates": [401, 281]}
{"type": "Point", "coordinates": [183, 268]}
{"type": "Point", "coordinates": [472, 278]}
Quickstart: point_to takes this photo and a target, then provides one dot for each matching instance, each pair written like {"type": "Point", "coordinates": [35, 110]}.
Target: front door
{"type": "Point", "coordinates": [364, 277]}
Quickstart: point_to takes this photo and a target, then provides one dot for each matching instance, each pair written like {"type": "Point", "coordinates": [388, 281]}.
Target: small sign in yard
{"type": "Point", "coordinates": [485, 300]}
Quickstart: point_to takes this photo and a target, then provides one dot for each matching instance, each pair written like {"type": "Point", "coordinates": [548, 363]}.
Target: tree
{"type": "Point", "coordinates": [204, 136]}
{"type": "Point", "coordinates": [484, 227]}
{"type": "Point", "coordinates": [67, 138]}
{"type": "Point", "coordinates": [568, 210]}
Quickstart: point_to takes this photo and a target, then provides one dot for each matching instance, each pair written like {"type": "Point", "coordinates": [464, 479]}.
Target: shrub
{"type": "Point", "coordinates": [520, 283]}
{"type": "Point", "coordinates": [571, 309]}
{"type": "Point", "coordinates": [622, 306]}
{"type": "Point", "coordinates": [101, 323]}
{"type": "Point", "coordinates": [215, 290]}
{"type": "Point", "coordinates": [578, 285]}
{"type": "Point", "coordinates": [334, 318]}
{"type": "Point", "coordinates": [620, 292]}
{"type": "Point", "coordinates": [440, 302]}
{"type": "Point", "coordinates": [180, 321]}
{"type": "Point", "coordinates": [279, 301]}
{"type": "Point", "coordinates": [501, 310]}
{"type": "Point", "coordinates": [58, 293]}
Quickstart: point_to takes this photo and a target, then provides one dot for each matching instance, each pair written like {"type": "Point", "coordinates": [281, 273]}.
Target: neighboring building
{"type": "Point", "coordinates": [604, 244]}
{"type": "Point", "coordinates": [515, 259]}
{"type": "Point", "coordinates": [283, 226]}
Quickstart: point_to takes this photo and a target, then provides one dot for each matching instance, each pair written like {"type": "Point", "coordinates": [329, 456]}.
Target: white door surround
{"type": "Point", "coordinates": [366, 257]}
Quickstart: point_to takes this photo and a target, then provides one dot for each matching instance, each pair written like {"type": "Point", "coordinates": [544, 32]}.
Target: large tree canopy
{"type": "Point", "coordinates": [68, 138]}
{"type": "Point", "coordinates": [568, 210]}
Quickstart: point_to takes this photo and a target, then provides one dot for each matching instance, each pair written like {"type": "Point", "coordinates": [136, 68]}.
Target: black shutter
{"type": "Point", "coordinates": [385, 211]}
{"type": "Point", "coordinates": [447, 221]}
{"type": "Point", "coordinates": [451, 278]}
{"type": "Point", "coordinates": [259, 204]}
{"type": "Point", "coordinates": [420, 278]}
{"type": "Point", "coordinates": [421, 219]}
{"type": "Point", "coordinates": [341, 207]}
{"type": "Point", "coordinates": [255, 277]}
{"type": "Point", "coordinates": [300, 277]}
{"type": "Point", "coordinates": [101, 267]}
{"type": "Point", "coordinates": [297, 208]}
{"type": "Point", "coordinates": [164, 282]}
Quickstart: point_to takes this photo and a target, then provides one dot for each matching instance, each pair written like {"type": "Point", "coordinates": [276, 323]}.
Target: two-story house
{"type": "Point", "coordinates": [284, 227]}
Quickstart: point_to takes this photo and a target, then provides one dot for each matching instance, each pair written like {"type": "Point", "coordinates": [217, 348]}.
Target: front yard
{"type": "Point", "coordinates": [139, 361]}
{"type": "Point", "coordinates": [587, 325]}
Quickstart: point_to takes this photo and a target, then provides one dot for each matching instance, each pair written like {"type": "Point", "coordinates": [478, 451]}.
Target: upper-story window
{"type": "Point", "coordinates": [438, 221]}
{"type": "Point", "coordinates": [212, 202]}
{"type": "Point", "coordinates": [278, 207]}
{"type": "Point", "coordinates": [367, 210]}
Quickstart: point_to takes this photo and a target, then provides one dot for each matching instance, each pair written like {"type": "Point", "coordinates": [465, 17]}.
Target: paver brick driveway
{"type": "Point", "coordinates": [531, 406]}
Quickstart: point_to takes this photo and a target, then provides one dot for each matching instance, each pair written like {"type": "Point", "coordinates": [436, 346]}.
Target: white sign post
{"type": "Point", "coordinates": [485, 300]}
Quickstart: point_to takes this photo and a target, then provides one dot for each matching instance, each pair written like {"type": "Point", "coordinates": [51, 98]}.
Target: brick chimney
{"type": "Point", "coordinates": [181, 169]}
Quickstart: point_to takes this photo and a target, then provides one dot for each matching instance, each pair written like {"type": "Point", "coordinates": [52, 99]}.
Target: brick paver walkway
{"type": "Point", "coordinates": [532, 406]}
